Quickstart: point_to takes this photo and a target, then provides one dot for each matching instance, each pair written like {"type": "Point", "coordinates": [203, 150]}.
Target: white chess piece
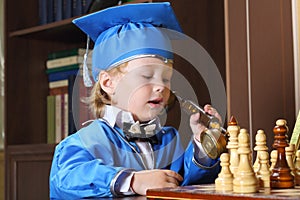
{"type": "Point", "coordinates": [245, 180]}
{"type": "Point", "coordinates": [260, 141]}
{"type": "Point", "coordinates": [290, 153]}
{"type": "Point", "coordinates": [232, 146]}
{"type": "Point", "coordinates": [225, 177]}
{"type": "Point", "coordinates": [273, 159]}
{"type": "Point", "coordinates": [263, 173]}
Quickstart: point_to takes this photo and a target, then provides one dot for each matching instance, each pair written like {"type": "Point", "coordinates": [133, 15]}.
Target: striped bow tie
{"type": "Point", "coordinates": [137, 131]}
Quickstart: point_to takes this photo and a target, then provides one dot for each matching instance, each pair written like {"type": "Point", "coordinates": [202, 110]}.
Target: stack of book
{"type": "Point", "coordinates": [65, 110]}
{"type": "Point", "coordinates": [56, 10]}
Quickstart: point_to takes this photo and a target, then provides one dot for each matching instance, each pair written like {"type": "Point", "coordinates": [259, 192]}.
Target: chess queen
{"type": "Point", "coordinates": [126, 150]}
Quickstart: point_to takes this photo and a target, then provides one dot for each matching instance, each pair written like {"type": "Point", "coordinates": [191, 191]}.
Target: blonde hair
{"type": "Point", "coordinates": [98, 97]}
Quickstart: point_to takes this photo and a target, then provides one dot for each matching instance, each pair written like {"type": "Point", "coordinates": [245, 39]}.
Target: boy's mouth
{"type": "Point", "coordinates": [155, 102]}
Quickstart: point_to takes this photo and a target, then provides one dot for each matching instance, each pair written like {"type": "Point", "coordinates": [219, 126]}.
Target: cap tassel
{"type": "Point", "coordinates": [86, 77]}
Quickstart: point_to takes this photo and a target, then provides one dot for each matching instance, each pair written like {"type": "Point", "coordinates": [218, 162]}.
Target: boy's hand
{"type": "Point", "coordinates": [198, 128]}
{"type": "Point", "coordinates": [149, 179]}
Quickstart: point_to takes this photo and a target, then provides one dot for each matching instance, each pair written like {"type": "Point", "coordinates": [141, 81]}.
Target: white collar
{"type": "Point", "coordinates": [116, 116]}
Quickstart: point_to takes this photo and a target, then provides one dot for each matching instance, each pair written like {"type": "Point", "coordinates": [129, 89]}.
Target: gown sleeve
{"type": "Point", "coordinates": [75, 173]}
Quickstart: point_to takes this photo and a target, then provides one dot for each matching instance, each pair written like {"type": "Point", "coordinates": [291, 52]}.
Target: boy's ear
{"type": "Point", "coordinates": [106, 82]}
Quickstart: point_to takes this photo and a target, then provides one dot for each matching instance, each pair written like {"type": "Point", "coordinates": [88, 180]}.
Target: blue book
{"type": "Point", "coordinates": [86, 4]}
{"type": "Point", "coordinates": [76, 8]}
{"type": "Point", "coordinates": [56, 76]}
{"type": "Point", "coordinates": [67, 9]}
{"type": "Point", "coordinates": [50, 9]}
{"type": "Point", "coordinates": [58, 10]}
{"type": "Point", "coordinates": [42, 12]}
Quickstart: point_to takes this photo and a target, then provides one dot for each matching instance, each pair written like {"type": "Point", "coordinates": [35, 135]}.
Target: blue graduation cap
{"type": "Point", "coordinates": [126, 32]}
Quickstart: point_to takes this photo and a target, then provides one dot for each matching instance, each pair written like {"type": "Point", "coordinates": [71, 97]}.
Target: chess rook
{"type": "Point", "coordinates": [281, 176]}
{"type": "Point", "coordinates": [245, 180]}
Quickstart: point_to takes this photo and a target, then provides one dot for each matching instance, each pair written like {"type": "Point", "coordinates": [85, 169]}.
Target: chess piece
{"type": "Point", "coordinates": [290, 153]}
{"type": "Point", "coordinates": [263, 173]}
{"type": "Point", "coordinates": [225, 177]}
{"type": "Point", "coordinates": [260, 141]}
{"type": "Point", "coordinates": [273, 158]}
{"type": "Point", "coordinates": [281, 176]}
{"type": "Point", "coordinates": [245, 180]}
{"type": "Point", "coordinates": [297, 166]}
{"type": "Point", "coordinates": [233, 130]}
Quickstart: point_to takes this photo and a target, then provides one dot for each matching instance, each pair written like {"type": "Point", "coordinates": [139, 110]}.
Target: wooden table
{"type": "Point", "coordinates": [208, 192]}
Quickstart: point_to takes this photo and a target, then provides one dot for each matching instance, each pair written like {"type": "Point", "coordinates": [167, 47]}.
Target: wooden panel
{"type": "Point", "coordinates": [272, 67]}
{"type": "Point", "coordinates": [2, 176]}
{"type": "Point", "coordinates": [28, 169]}
{"type": "Point", "coordinates": [267, 56]}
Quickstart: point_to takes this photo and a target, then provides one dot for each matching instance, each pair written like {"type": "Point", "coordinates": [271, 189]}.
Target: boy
{"type": "Point", "coordinates": [126, 151]}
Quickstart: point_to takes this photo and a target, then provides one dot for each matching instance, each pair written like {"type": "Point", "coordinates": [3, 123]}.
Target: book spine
{"type": "Point", "coordinates": [86, 4]}
{"type": "Point", "coordinates": [56, 84]}
{"type": "Point", "coordinates": [50, 14]}
{"type": "Point", "coordinates": [58, 118]}
{"type": "Point", "coordinates": [66, 116]}
{"type": "Point", "coordinates": [65, 53]}
{"type": "Point", "coordinates": [77, 8]}
{"type": "Point", "coordinates": [51, 119]}
{"type": "Point", "coordinates": [70, 60]}
{"type": "Point", "coordinates": [61, 75]}
{"type": "Point", "coordinates": [67, 9]}
{"type": "Point", "coordinates": [42, 12]}
{"type": "Point", "coordinates": [64, 68]}
{"type": "Point", "coordinates": [58, 90]}
{"type": "Point", "coordinates": [57, 10]}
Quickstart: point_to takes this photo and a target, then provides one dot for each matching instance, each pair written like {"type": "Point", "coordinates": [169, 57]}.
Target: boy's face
{"type": "Point", "coordinates": [144, 88]}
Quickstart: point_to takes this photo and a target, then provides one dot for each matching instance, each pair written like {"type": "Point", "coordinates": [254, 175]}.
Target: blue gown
{"type": "Point", "coordinates": [94, 161]}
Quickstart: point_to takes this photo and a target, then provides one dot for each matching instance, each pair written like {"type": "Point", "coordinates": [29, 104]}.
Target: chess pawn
{"type": "Point", "coordinates": [297, 166]}
{"type": "Point", "coordinates": [233, 130]}
{"type": "Point", "coordinates": [281, 176]}
{"type": "Point", "coordinates": [263, 173]}
{"type": "Point", "coordinates": [273, 158]}
{"type": "Point", "coordinates": [289, 152]}
{"type": "Point", "coordinates": [260, 141]}
{"type": "Point", "coordinates": [225, 177]}
{"type": "Point", "coordinates": [245, 180]}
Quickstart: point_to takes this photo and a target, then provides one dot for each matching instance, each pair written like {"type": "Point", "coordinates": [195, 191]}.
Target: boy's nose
{"type": "Point", "coordinates": [158, 87]}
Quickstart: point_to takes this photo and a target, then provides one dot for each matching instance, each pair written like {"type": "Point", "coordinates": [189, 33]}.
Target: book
{"type": "Point", "coordinates": [56, 76]}
{"type": "Point", "coordinates": [57, 10]}
{"type": "Point", "coordinates": [50, 9]}
{"type": "Point", "coordinates": [65, 121]}
{"type": "Point", "coordinates": [67, 9]}
{"type": "Point", "coordinates": [76, 8]}
{"type": "Point", "coordinates": [51, 119]}
{"type": "Point", "coordinates": [58, 118]}
{"type": "Point", "coordinates": [42, 12]}
{"type": "Point", "coordinates": [64, 68]}
{"type": "Point", "coordinates": [65, 61]}
{"type": "Point", "coordinates": [66, 52]}
{"type": "Point", "coordinates": [56, 84]}
{"type": "Point", "coordinates": [58, 90]}
{"type": "Point", "coordinates": [86, 4]}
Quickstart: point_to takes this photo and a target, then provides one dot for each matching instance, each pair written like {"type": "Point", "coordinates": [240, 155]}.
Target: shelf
{"type": "Point", "coordinates": [62, 31]}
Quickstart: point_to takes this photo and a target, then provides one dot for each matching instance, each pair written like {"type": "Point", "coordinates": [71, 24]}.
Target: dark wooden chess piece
{"type": "Point", "coordinates": [281, 176]}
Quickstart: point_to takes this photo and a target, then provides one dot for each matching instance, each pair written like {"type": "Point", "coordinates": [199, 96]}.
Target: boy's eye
{"type": "Point", "coordinates": [147, 76]}
{"type": "Point", "coordinates": [165, 80]}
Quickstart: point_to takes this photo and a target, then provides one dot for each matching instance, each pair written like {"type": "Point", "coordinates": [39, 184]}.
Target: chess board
{"type": "Point", "coordinates": [208, 191]}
